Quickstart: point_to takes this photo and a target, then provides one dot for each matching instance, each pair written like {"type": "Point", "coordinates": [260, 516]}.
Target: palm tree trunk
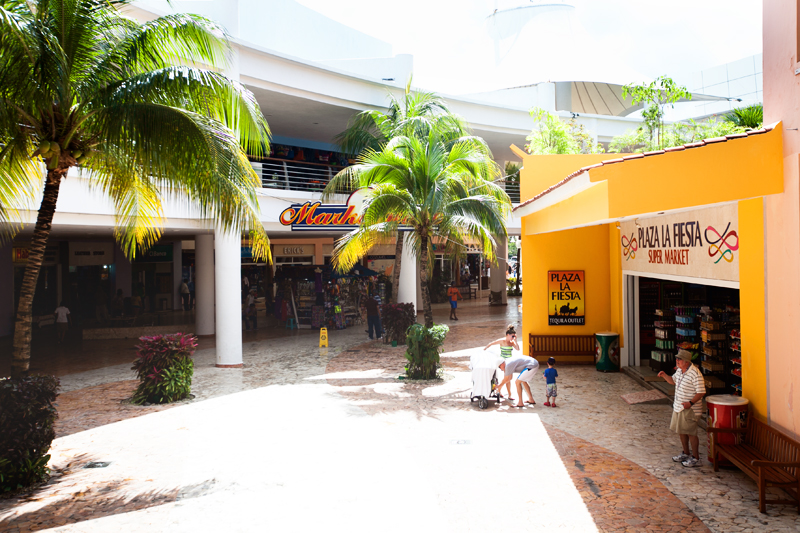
{"type": "Point", "coordinates": [22, 326]}
{"type": "Point", "coordinates": [426, 291]}
{"type": "Point", "coordinates": [398, 259]}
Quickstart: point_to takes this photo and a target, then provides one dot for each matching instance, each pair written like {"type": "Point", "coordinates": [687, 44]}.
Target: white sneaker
{"type": "Point", "coordinates": [691, 462]}
{"type": "Point", "coordinates": [681, 458]}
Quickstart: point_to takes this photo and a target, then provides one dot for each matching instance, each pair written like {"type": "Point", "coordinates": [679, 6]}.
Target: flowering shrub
{"type": "Point", "coordinates": [164, 367]}
{"type": "Point", "coordinates": [423, 350]}
{"type": "Point", "coordinates": [397, 318]}
{"type": "Point", "coordinates": [27, 415]}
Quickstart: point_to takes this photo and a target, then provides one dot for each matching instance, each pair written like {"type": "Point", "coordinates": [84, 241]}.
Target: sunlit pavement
{"type": "Point", "coordinates": [300, 438]}
{"type": "Point", "coordinates": [300, 458]}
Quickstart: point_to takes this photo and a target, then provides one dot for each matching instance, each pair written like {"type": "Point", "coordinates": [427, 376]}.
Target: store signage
{"type": "Point", "coordinates": [566, 298]}
{"type": "Point", "coordinates": [19, 255]}
{"type": "Point", "coordinates": [316, 216]}
{"type": "Point", "coordinates": [703, 243]}
{"type": "Point", "coordinates": [160, 253]}
{"type": "Point", "coordinates": [292, 250]}
{"type": "Point", "coordinates": [91, 253]}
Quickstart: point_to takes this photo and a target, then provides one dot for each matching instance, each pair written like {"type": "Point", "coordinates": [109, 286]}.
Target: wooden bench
{"type": "Point", "coordinates": [468, 292]}
{"type": "Point", "coordinates": [765, 454]}
{"type": "Point", "coordinates": [567, 349]}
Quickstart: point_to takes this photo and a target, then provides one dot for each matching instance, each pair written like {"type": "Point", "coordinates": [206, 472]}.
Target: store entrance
{"type": "Point", "coordinates": [701, 319]}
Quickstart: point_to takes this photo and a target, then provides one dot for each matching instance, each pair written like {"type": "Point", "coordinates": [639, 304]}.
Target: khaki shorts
{"type": "Point", "coordinates": [684, 423]}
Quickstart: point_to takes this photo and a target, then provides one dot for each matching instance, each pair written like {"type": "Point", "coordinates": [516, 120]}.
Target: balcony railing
{"type": "Point", "coordinates": [512, 190]}
{"type": "Point", "coordinates": [295, 175]}
{"type": "Point", "coordinates": [313, 177]}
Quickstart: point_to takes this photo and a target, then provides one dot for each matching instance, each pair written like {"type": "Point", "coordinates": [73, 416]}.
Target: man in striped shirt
{"type": "Point", "coordinates": [687, 407]}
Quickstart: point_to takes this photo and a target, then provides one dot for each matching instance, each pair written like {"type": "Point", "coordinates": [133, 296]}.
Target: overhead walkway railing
{"type": "Point", "coordinates": [295, 175]}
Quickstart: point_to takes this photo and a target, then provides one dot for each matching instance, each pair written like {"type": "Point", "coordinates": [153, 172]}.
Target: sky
{"type": "Point", "coordinates": [455, 54]}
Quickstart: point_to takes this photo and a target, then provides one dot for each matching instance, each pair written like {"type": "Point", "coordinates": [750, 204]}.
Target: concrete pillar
{"type": "Point", "coordinates": [177, 274]}
{"type": "Point", "coordinates": [122, 272]}
{"type": "Point", "coordinates": [227, 288]}
{"type": "Point", "coordinates": [498, 270]}
{"type": "Point", "coordinates": [6, 291]}
{"type": "Point", "coordinates": [204, 284]}
{"type": "Point", "coordinates": [407, 289]}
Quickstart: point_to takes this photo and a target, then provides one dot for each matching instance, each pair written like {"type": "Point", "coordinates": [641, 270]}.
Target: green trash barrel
{"type": "Point", "coordinates": [606, 356]}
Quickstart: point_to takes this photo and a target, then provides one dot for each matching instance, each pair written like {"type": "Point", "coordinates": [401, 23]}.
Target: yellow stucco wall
{"type": "Point", "coordinates": [542, 171]}
{"type": "Point", "coordinates": [615, 282]}
{"type": "Point", "coordinates": [584, 249]}
{"type": "Point", "coordinates": [752, 304]}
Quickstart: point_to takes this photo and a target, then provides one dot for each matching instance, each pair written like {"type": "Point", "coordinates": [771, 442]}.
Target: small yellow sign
{"type": "Point", "coordinates": [323, 337]}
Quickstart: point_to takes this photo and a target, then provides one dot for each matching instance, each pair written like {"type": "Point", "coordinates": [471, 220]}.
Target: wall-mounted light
{"type": "Point", "coordinates": [617, 225]}
{"type": "Point", "coordinates": [636, 221]}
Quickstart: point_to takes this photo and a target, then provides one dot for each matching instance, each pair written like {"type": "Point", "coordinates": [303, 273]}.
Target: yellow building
{"type": "Point", "coordinates": [678, 228]}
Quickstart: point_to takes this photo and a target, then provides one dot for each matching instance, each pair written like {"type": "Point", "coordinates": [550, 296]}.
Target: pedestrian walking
{"type": "Point", "coordinates": [250, 317]}
{"type": "Point", "coordinates": [63, 321]}
{"type": "Point", "coordinates": [688, 406]}
{"type": "Point", "coordinates": [550, 375]}
{"type": "Point", "coordinates": [507, 346]}
{"type": "Point", "coordinates": [527, 367]}
{"type": "Point", "coordinates": [184, 290]}
{"type": "Point", "coordinates": [191, 294]}
{"type": "Point", "coordinates": [454, 295]}
{"type": "Point", "coordinates": [373, 318]}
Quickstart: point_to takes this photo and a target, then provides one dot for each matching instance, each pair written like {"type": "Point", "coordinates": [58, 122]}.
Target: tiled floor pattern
{"type": "Point", "coordinates": [592, 422]}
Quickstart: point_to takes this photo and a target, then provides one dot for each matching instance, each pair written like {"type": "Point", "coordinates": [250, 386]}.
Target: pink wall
{"type": "Point", "coordinates": [782, 214]}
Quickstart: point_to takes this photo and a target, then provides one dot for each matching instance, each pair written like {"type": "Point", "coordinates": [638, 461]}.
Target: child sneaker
{"type": "Point", "coordinates": [547, 404]}
{"type": "Point", "coordinates": [691, 462]}
{"type": "Point", "coordinates": [681, 458]}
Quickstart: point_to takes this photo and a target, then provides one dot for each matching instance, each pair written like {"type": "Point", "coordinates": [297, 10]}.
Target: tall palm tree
{"type": "Point", "coordinates": [413, 116]}
{"type": "Point", "coordinates": [442, 191]}
{"type": "Point", "coordinates": [80, 85]}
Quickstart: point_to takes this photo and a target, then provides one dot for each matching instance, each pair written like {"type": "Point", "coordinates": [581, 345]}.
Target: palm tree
{"type": "Point", "coordinates": [442, 191]}
{"type": "Point", "coordinates": [80, 85]}
{"type": "Point", "coordinates": [751, 116]}
{"type": "Point", "coordinates": [413, 116]}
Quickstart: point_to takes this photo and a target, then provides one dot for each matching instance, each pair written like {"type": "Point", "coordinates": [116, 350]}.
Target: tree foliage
{"type": "Point", "coordinates": [555, 136]}
{"type": "Point", "coordinates": [82, 85]}
{"type": "Point", "coordinates": [677, 134]}
{"type": "Point", "coordinates": [440, 190]}
{"type": "Point", "coordinates": [654, 97]}
{"type": "Point", "coordinates": [751, 116]}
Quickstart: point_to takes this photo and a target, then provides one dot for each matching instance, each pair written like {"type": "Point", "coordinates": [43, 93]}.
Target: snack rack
{"type": "Point", "coordinates": [663, 356]}
{"type": "Point", "coordinates": [712, 345]}
{"type": "Point", "coordinates": [735, 355]}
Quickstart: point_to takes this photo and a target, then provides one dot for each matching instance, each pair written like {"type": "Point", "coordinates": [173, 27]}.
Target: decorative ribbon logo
{"type": "Point", "coordinates": [629, 247]}
{"type": "Point", "coordinates": [716, 247]}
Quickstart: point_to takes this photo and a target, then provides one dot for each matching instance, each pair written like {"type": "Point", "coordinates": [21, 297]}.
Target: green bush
{"type": "Point", "coordinates": [511, 283]}
{"type": "Point", "coordinates": [27, 415]}
{"type": "Point", "coordinates": [164, 367]}
{"type": "Point", "coordinates": [423, 350]}
{"type": "Point", "coordinates": [397, 318]}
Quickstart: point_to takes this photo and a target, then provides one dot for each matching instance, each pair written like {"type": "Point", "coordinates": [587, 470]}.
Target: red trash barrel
{"type": "Point", "coordinates": [726, 411]}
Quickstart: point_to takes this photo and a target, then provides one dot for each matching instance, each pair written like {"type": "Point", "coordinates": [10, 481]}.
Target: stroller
{"type": "Point", "coordinates": [484, 368]}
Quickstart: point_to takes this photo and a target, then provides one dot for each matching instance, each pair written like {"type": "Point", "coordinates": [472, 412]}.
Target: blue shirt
{"type": "Point", "coordinates": [551, 374]}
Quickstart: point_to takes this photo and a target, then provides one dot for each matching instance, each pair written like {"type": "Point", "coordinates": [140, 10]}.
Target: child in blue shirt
{"type": "Point", "coordinates": [550, 375]}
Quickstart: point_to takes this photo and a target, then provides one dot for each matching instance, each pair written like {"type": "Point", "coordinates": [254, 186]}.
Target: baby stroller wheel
{"type": "Point", "coordinates": [483, 403]}
{"type": "Point", "coordinates": [471, 399]}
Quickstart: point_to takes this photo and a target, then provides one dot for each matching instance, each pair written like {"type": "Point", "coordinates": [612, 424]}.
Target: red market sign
{"type": "Point", "coordinates": [316, 216]}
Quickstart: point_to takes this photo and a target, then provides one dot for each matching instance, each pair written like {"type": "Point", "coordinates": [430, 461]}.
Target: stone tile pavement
{"type": "Point", "coordinates": [339, 429]}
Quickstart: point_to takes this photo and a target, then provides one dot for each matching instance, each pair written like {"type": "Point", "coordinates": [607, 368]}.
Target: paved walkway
{"type": "Point", "coordinates": [299, 439]}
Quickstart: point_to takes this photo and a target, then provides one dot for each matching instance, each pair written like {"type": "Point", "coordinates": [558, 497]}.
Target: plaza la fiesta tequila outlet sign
{"type": "Point", "coordinates": [566, 298]}
{"type": "Point", "coordinates": [316, 216]}
{"type": "Point", "coordinates": [703, 243]}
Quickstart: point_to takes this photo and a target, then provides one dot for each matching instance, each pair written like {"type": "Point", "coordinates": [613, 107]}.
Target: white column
{"type": "Point", "coordinates": [407, 290]}
{"type": "Point", "coordinates": [227, 283]}
{"type": "Point", "coordinates": [177, 275]}
{"type": "Point", "coordinates": [204, 284]}
{"type": "Point", "coordinates": [498, 269]}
